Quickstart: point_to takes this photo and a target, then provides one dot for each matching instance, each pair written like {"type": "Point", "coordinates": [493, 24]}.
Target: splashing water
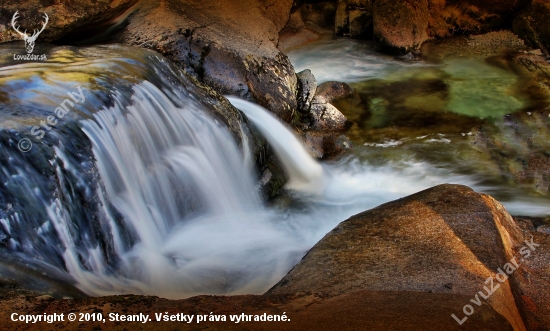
{"type": "Point", "coordinates": [345, 60]}
{"type": "Point", "coordinates": [173, 209]}
{"type": "Point", "coordinates": [305, 173]}
{"type": "Point", "coordinates": [193, 220]}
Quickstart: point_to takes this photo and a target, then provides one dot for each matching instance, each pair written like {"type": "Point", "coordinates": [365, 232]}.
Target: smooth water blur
{"type": "Point", "coordinates": [449, 112]}
{"type": "Point", "coordinates": [193, 219]}
{"type": "Point", "coordinates": [305, 174]}
{"type": "Point", "coordinates": [365, 180]}
{"type": "Point", "coordinates": [344, 60]}
{"type": "Point", "coordinates": [144, 190]}
{"type": "Point", "coordinates": [468, 85]}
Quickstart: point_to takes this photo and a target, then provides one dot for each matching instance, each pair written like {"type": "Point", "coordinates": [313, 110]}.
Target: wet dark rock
{"type": "Point", "coordinates": [330, 91]}
{"type": "Point", "coordinates": [307, 22]}
{"type": "Point", "coordinates": [532, 24]}
{"type": "Point", "coordinates": [229, 46]}
{"type": "Point", "coordinates": [325, 146]}
{"type": "Point", "coordinates": [354, 18]}
{"type": "Point", "coordinates": [307, 86]}
{"type": "Point", "coordinates": [314, 143]}
{"type": "Point", "coordinates": [317, 114]}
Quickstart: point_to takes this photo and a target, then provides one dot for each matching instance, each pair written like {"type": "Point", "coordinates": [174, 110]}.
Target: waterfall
{"type": "Point", "coordinates": [153, 195]}
{"type": "Point", "coordinates": [191, 217]}
{"type": "Point", "coordinates": [186, 217]}
{"type": "Point", "coordinates": [305, 173]}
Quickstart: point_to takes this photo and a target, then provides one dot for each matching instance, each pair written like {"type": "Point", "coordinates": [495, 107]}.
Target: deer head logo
{"type": "Point", "coordinates": [29, 40]}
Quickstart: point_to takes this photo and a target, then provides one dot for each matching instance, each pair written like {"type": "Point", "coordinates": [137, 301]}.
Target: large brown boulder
{"type": "Point", "coordinates": [532, 25]}
{"type": "Point", "coordinates": [64, 16]}
{"type": "Point", "coordinates": [448, 239]}
{"type": "Point", "coordinates": [533, 277]}
{"type": "Point", "coordinates": [230, 46]}
{"type": "Point", "coordinates": [400, 26]}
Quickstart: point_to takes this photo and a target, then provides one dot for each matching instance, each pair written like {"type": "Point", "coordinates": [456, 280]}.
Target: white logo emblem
{"type": "Point", "coordinates": [29, 40]}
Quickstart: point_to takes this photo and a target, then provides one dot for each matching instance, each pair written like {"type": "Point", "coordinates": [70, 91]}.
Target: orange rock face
{"type": "Point", "coordinates": [447, 239]}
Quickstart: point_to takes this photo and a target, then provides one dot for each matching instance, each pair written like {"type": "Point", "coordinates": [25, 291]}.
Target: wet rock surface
{"type": "Point", "coordinates": [354, 18]}
{"type": "Point", "coordinates": [532, 24]}
{"type": "Point", "coordinates": [231, 47]}
{"type": "Point", "coordinates": [64, 17]}
{"type": "Point", "coordinates": [321, 122]}
{"type": "Point", "coordinates": [325, 116]}
{"type": "Point", "coordinates": [315, 103]}
{"type": "Point", "coordinates": [447, 239]}
{"type": "Point", "coordinates": [325, 146]}
{"type": "Point", "coordinates": [330, 91]}
{"type": "Point", "coordinates": [307, 87]}
{"type": "Point", "coordinates": [307, 22]}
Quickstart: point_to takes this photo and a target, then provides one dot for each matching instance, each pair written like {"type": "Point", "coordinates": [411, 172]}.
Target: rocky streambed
{"type": "Point", "coordinates": [422, 258]}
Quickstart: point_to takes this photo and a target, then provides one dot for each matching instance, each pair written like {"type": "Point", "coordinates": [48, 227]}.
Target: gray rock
{"type": "Point", "coordinates": [330, 91]}
{"type": "Point", "coordinates": [307, 87]}
{"type": "Point", "coordinates": [326, 117]}
{"type": "Point", "coordinates": [230, 46]}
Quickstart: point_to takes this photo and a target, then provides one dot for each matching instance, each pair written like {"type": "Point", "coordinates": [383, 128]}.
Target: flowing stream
{"type": "Point", "coordinates": [467, 110]}
{"type": "Point", "coordinates": [143, 190]}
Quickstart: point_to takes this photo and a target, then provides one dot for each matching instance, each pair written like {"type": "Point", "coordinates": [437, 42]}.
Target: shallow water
{"type": "Point", "coordinates": [449, 112]}
{"type": "Point", "coordinates": [141, 190]}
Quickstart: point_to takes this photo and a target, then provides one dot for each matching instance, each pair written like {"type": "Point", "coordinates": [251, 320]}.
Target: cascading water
{"type": "Point", "coordinates": [339, 190]}
{"type": "Point", "coordinates": [168, 205]}
{"type": "Point", "coordinates": [305, 174]}
{"type": "Point", "coordinates": [193, 220]}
